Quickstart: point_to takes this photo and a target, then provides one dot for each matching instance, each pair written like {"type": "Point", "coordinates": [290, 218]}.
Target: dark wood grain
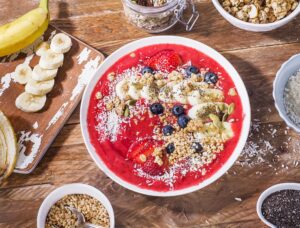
{"type": "Point", "coordinates": [256, 56]}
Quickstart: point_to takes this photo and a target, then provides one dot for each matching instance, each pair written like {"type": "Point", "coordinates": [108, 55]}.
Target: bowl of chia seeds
{"type": "Point", "coordinates": [286, 92]}
{"type": "Point", "coordinates": [279, 205]}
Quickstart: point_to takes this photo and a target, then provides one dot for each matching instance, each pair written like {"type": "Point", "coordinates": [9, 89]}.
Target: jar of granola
{"type": "Point", "coordinates": [156, 16]}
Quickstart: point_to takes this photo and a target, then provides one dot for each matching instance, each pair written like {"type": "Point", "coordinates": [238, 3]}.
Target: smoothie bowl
{"type": "Point", "coordinates": [165, 116]}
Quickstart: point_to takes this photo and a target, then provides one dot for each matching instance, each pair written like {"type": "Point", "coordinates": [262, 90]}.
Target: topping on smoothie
{"type": "Point", "coordinates": [165, 117]}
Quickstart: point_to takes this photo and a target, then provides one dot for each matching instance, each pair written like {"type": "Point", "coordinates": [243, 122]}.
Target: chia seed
{"type": "Point", "coordinates": [282, 208]}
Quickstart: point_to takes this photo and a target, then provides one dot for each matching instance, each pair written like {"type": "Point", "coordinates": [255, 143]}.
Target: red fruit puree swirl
{"type": "Point", "coordinates": [114, 152]}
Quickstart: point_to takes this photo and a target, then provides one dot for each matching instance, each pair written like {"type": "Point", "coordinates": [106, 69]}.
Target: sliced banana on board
{"type": "Point", "coordinates": [42, 48]}
{"type": "Point", "coordinates": [122, 88]}
{"type": "Point", "coordinates": [8, 148]}
{"type": "Point", "coordinates": [204, 109]}
{"type": "Point", "coordinates": [61, 43]}
{"type": "Point", "coordinates": [39, 88]}
{"type": "Point", "coordinates": [22, 74]}
{"type": "Point", "coordinates": [205, 95]}
{"type": "Point", "coordinates": [28, 102]}
{"type": "Point", "coordinates": [51, 60]}
{"type": "Point", "coordinates": [40, 74]}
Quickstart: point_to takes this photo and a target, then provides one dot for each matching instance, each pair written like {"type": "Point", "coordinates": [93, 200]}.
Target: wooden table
{"type": "Point", "coordinates": [229, 202]}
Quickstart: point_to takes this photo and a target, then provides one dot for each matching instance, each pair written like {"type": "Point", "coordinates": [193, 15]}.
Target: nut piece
{"type": "Point", "coordinates": [258, 11]}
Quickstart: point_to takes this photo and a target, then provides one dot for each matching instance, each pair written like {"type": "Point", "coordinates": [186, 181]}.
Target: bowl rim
{"type": "Point", "coordinates": [281, 22]}
{"type": "Point", "coordinates": [74, 188]}
{"type": "Point", "coordinates": [131, 47]}
{"type": "Point", "coordinates": [282, 113]}
{"type": "Point", "coordinates": [269, 191]}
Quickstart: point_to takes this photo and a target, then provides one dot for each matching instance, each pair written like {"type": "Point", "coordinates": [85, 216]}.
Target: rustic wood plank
{"type": "Point", "coordinates": [102, 24]}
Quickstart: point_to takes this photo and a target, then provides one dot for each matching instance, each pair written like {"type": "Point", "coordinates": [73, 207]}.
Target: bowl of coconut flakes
{"type": "Point", "coordinates": [286, 92]}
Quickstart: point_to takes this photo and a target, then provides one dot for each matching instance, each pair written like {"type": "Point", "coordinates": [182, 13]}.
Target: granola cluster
{"type": "Point", "coordinates": [259, 11]}
{"type": "Point", "coordinates": [93, 211]}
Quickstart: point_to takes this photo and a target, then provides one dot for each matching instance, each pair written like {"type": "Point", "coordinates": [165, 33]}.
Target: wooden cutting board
{"type": "Point", "coordinates": [36, 131]}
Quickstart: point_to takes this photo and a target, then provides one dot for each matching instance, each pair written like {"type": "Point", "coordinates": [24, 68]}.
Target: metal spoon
{"type": "Point", "coordinates": [81, 219]}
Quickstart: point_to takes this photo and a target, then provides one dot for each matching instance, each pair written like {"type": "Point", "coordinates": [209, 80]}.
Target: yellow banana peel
{"type": "Point", "coordinates": [23, 31]}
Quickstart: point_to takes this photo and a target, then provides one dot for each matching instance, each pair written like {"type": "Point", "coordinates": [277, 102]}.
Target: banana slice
{"type": "Point", "coordinates": [28, 102]}
{"type": "Point", "coordinates": [39, 88]}
{"type": "Point", "coordinates": [42, 48]}
{"type": "Point", "coordinates": [204, 109]}
{"type": "Point", "coordinates": [23, 73]}
{"type": "Point", "coordinates": [134, 92]}
{"type": "Point", "coordinates": [205, 95]}
{"type": "Point", "coordinates": [227, 132]}
{"type": "Point", "coordinates": [51, 60]}
{"type": "Point", "coordinates": [180, 92]}
{"type": "Point", "coordinates": [166, 93]}
{"type": "Point", "coordinates": [149, 92]}
{"type": "Point", "coordinates": [40, 74]}
{"type": "Point", "coordinates": [61, 43]}
{"type": "Point", "coordinates": [122, 88]}
{"type": "Point", "coordinates": [8, 147]}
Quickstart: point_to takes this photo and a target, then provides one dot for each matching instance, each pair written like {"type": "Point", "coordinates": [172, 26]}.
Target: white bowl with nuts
{"type": "Point", "coordinates": [258, 15]}
{"type": "Point", "coordinates": [57, 209]}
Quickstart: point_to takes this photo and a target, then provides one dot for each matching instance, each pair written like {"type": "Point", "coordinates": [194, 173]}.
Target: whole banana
{"type": "Point", "coordinates": [23, 31]}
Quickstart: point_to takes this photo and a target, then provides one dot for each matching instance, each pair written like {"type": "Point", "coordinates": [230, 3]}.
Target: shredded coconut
{"type": "Point", "coordinates": [291, 98]}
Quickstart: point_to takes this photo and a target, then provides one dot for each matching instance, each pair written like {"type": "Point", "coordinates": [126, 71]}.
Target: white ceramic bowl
{"type": "Point", "coordinates": [62, 191]}
{"type": "Point", "coordinates": [131, 47]}
{"type": "Point", "coordinates": [251, 26]}
{"type": "Point", "coordinates": [286, 70]}
{"type": "Point", "coordinates": [269, 191]}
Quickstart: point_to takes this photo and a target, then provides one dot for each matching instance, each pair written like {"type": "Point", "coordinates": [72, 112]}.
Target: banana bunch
{"type": "Point", "coordinates": [40, 81]}
{"type": "Point", "coordinates": [8, 148]}
{"type": "Point", "coordinates": [23, 31]}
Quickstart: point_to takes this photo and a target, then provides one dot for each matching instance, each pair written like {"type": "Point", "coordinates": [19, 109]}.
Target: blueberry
{"type": "Point", "coordinates": [168, 130]}
{"type": "Point", "coordinates": [147, 70]}
{"type": "Point", "coordinates": [210, 78]}
{"type": "Point", "coordinates": [170, 148]}
{"type": "Point", "coordinates": [177, 110]}
{"type": "Point", "coordinates": [191, 70]}
{"type": "Point", "coordinates": [197, 147]}
{"type": "Point", "coordinates": [157, 108]}
{"type": "Point", "coordinates": [183, 121]}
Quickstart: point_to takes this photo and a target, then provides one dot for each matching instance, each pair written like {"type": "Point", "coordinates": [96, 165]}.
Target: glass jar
{"type": "Point", "coordinates": [162, 18]}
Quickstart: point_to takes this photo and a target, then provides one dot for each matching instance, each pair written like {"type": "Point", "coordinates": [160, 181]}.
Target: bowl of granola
{"type": "Point", "coordinates": [165, 116]}
{"type": "Point", "coordinates": [258, 15]}
{"type": "Point", "coordinates": [57, 208]}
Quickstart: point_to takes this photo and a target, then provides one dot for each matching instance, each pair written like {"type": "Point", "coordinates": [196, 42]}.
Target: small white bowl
{"type": "Point", "coordinates": [252, 26]}
{"type": "Point", "coordinates": [269, 191]}
{"type": "Point", "coordinates": [77, 188]}
{"type": "Point", "coordinates": [286, 70]}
